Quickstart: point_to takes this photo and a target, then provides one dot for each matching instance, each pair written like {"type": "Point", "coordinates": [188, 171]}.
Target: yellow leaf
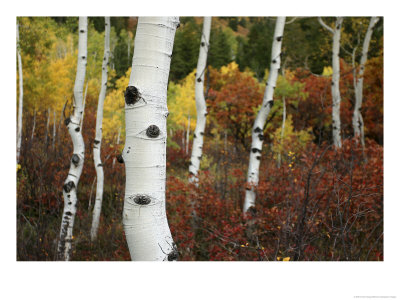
{"type": "Point", "coordinates": [286, 259]}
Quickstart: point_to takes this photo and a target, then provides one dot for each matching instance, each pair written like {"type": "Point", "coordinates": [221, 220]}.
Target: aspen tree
{"type": "Point", "coordinates": [144, 155]}
{"type": "Point", "coordinates": [200, 103]}
{"type": "Point", "coordinates": [97, 141]}
{"type": "Point", "coordinates": [21, 97]}
{"type": "Point", "coordinates": [74, 129]}
{"type": "Point", "coordinates": [358, 123]}
{"type": "Point", "coordinates": [337, 141]}
{"type": "Point", "coordinates": [257, 130]}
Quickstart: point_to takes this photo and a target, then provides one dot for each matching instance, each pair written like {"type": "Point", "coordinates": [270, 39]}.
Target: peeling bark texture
{"type": "Point", "coordinates": [200, 103]}
{"type": "Point", "coordinates": [21, 98]}
{"type": "Point", "coordinates": [144, 214]}
{"type": "Point", "coordinates": [259, 123]}
{"type": "Point", "coordinates": [71, 183]}
{"type": "Point", "coordinates": [358, 123]}
{"type": "Point", "coordinates": [337, 141]}
{"type": "Point", "coordinates": [97, 144]}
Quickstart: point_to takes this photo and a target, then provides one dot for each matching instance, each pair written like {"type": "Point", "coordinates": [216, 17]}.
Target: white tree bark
{"type": "Point", "coordinates": [84, 103]}
{"type": "Point", "coordinates": [47, 125]}
{"type": "Point", "coordinates": [144, 215]}
{"type": "Point", "coordinates": [337, 141]}
{"type": "Point", "coordinates": [21, 98]}
{"type": "Point", "coordinates": [200, 103]}
{"type": "Point", "coordinates": [257, 131]}
{"type": "Point", "coordinates": [72, 123]}
{"type": "Point", "coordinates": [119, 134]}
{"type": "Point", "coordinates": [358, 123]}
{"type": "Point", "coordinates": [187, 135]}
{"type": "Point", "coordinates": [97, 141]}
{"type": "Point", "coordinates": [282, 131]}
{"type": "Point", "coordinates": [54, 129]}
{"type": "Point", "coordinates": [34, 125]}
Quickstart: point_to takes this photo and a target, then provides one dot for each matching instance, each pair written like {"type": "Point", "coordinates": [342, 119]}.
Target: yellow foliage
{"type": "Point", "coordinates": [327, 71]}
{"type": "Point", "coordinates": [292, 141]}
{"type": "Point", "coordinates": [114, 113]}
{"type": "Point", "coordinates": [182, 103]}
{"type": "Point", "coordinates": [286, 259]}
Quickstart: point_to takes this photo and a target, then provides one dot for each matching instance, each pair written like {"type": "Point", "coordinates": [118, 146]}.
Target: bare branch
{"type": "Point", "coordinates": [324, 25]}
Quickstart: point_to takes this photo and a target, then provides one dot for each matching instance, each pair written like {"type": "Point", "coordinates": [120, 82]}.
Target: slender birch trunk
{"type": "Point", "coordinates": [84, 103]}
{"type": "Point", "coordinates": [21, 97]}
{"type": "Point", "coordinates": [335, 79]}
{"type": "Point", "coordinates": [282, 131]}
{"type": "Point", "coordinates": [257, 131]}
{"type": "Point", "coordinates": [34, 125]}
{"type": "Point", "coordinates": [144, 215]}
{"type": "Point", "coordinates": [72, 123]}
{"type": "Point", "coordinates": [358, 123]}
{"type": "Point", "coordinates": [47, 125]}
{"type": "Point", "coordinates": [200, 103]}
{"type": "Point", "coordinates": [54, 129]}
{"type": "Point", "coordinates": [188, 135]}
{"type": "Point", "coordinates": [97, 140]}
{"type": "Point", "coordinates": [119, 134]}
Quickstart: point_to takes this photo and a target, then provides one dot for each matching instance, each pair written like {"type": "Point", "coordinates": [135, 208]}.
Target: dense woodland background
{"type": "Point", "coordinates": [316, 204]}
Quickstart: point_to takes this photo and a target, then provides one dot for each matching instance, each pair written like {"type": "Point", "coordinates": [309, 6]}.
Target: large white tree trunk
{"type": "Point", "coordinates": [54, 129]}
{"type": "Point", "coordinates": [358, 123]}
{"type": "Point", "coordinates": [257, 131]}
{"type": "Point", "coordinates": [200, 103]}
{"type": "Point", "coordinates": [144, 215]}
{"type": "Point", "coordinates": [21, 98]}
{"type": "Point", "coordinates": [97, 141]}
{"type": "Point", "coordinates": [72, 123]}
{"type": "Point", "coordinates": [337, 141]}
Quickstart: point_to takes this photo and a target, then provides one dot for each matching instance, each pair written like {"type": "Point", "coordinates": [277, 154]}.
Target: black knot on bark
{"type": "Point", "coordinates": [274, 61]}
{"type": "Point", "coordinates": [258, 157]}
{"type": "Point", "coordinates": [258, 129]}
{"type": "Point", "coordinates": [279, 38]}
{"type": "Point", "coordinates": [271, 103]}
{"type": "Point", "coordinates": [202, 44]}
{"type": "Point", "coordinates": [83, 57]}
{"type": "Point", "coordinates": [173, 255]}
{"type": "Point", "coordinates": [261, 137]}
{"type": "Point", "coordinates": [179, 25]}
{"type": "Point", "coordinates": [202, 133]}
{"type": "Point", "coordinates": [132, 95]}
{"type": "Point", "coordinates": [96, 142]}
{"type": "Point", "coordinates": [68, 186]}
{"type": "Point", "coordinates": [199, 79]}
{"type": "Point", "coordinates": [153, 131]}
{"type": "Point", "coordinates": [332, 83]}
{"type": "Point", "coordinates": [120, 159]}
{"type": "Point", "coordinates": [255, 150]}
{"type": "Point", "coordinates": [77, 129]}
{"type": "Point", "coordinates": [81, 31]}
{"type": "Point", "coordinates": [67, 121]}
{"type": "Point", "coordinates": [142, 199]}
{"type": "Point", "coordinates": [75, 159]}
